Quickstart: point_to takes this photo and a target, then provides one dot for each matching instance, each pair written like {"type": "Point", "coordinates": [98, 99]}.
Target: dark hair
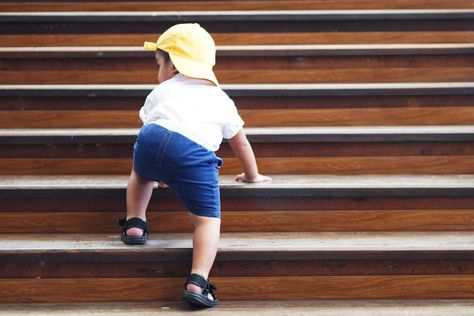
{"type": "Point", "coordinates": [165, 55]}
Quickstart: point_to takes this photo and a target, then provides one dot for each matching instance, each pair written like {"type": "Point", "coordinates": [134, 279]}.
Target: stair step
{"type": "Point", "coordinates": [283, 252]}
{"type": "Point", "coordinates": [92, 204]}
{"type": "Point", "coordinates": [249, 246]}
{"type": "Point", "coordinates": [111, 106]}
{"type": "Point", "coordinates": [276, 308]}
{"type": "Point", "coordinates": [309, 150]}
{"type": "Point", "coordinates": [242, 64]}
{"type": "Point", "coordinates": [231, 21]}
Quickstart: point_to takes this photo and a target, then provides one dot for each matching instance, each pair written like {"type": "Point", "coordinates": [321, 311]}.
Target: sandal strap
{"type": "Point", "coordinates": [196, 279]}
{"type": "Point", "coordinates": [133, 222]}
{"type": "Point", "coordinates": [202, 283]}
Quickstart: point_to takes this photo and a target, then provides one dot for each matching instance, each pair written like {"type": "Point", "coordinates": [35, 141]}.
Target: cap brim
{"type": "Point", "coordinates": [150, 46]}
{"type": "Point", "coordinates": [193, 69]}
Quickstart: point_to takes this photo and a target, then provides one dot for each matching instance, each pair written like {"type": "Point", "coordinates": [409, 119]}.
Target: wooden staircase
{"type": "Point", "coordinates": [360, 110]}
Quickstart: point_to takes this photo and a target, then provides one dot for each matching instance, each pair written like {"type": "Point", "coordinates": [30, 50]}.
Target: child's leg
{"type": "Point", "coordinates": [205, 244]}
{"type": "Point", "coordinates": [139, 191]}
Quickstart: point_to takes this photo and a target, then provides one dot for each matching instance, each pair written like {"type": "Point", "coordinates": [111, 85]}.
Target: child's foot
{"type": "Point", "coordinates": [197, 289]}
{"type": "Point", "coordinates": [134, 231]}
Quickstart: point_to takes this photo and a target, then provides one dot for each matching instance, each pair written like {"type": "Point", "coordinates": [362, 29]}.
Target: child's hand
{"type": "Point", "coordinates": [260, 178]}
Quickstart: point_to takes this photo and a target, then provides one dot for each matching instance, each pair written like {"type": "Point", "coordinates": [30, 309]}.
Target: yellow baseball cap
{"type": "Point", "coordinates": [191, 48]}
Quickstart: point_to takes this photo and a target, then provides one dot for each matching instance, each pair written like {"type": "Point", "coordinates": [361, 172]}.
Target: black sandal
{"type": "Point", "coordinates": [133, 222]}
{"type": "Point", "coordinates": [198, 299]}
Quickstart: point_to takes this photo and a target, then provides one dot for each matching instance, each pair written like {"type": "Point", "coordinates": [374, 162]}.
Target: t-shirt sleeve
{"type": "Point", "coordinates": [233, 122]}
{"type": "Point", "coordinates": [150, 103]}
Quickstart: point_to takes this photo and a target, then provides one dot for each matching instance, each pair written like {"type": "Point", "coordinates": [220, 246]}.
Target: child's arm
{"type": "Point", "coordinates": [243, 151]}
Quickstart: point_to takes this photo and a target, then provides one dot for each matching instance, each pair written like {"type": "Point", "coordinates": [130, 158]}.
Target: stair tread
{"type": "Point", "coordinates": [255, 134]}
{"type": "Point", "coordinates": [91, 182]}
{"type": "Point", "coordinates": [283, 243]}
{"type": "Point", "coordinates": [336, 89]}
{"type": "Point", "coordinates": [243, 50]}
{"type": "Point", "coordinates": [274, 15]}
{"type": "Point", "coordinates": [276, 308]}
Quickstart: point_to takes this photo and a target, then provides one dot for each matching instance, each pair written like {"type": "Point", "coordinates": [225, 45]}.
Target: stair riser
{"type": "Point", "coordinates": [244, 221]}
{"type": "Point", "coordinates": [245, 288]}
{"type": "Point", "coordinates": [222, 26]}
{"type": "Point", "coordinates": [40, 267]}
{"type": "Point", "coordinates": [293, 60]}
{"type": "Point", "coordinates": [446, 74]}
{"type": "Point", "coordinates": [439, 165]}
{"type": "Point", "coordinates": [99, 215]}
{"type": "Point", "coordinates": [253, 118]}
{"type": "Point", "coordinates": [285, 38]}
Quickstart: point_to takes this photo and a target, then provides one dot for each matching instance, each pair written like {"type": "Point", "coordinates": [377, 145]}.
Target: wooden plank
{"type": "Point", "coordinates": [347, 117]}
{"type": "Point", "coordinates": [267, 53]}
{"type": "Point", "coordinates": [277, 308]}
{"type": "Point", "coordinates": [245, 221]}
{"type": "Point", "coordinates": [162, 204]}
{"type": "Point", "coordinates": [262, 15]}
{"type": "Point", "coordinates": [18, 6]}
{"type": "Point", "coordinates": [393, 75]}
{"type": "Point", "coordinates": [231, 21]}
{"type": "Point", "coordinates": [281, 38]}
{"type": "Point", "coordinates": [254, 288]}
{"type": "Point", "coordinates": [64, 119]}
{"type": "Point", "coordinates": [261, 150]}
{"type": "Point", "coordinates": [46, 268]}
{"type": "Point", "coordinates": [287, 182]}
{"type": "Point", "coordinates": [256, 243]}
{"type": "Point", "coordinates": [134, 91]}
{"type": "Point", "coordinates": [252, 117]}
{"type": "Point", "coordinates": [244, 246]}
{"type": "Point", "coordinates": [356, 189]}
{"type": "Point", "coordinates": [440, 165]}
{"type": "Point", "coordinates": [429, 133]}
{"type": "Point", "coordinates": [409, 99]}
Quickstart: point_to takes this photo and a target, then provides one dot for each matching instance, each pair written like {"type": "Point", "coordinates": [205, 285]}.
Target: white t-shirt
{"type": "Point", "coordinates": [194, 108]}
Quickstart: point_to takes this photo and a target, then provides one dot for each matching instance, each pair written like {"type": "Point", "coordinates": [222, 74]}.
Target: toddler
{"type": "Point", "coordinates": [185, 119]}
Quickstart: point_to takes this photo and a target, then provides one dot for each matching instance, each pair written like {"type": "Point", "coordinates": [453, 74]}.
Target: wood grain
{"type": "Point", "coordinates": [241, 288]}
{"type": "Point", "coordinates": [67, 119]}
{"type": "Point", "coordinates": [244, 38]}
{"type": "Point", "coordinates": [245, 221]}
{"type": "Point", "coordinates": [298, 166]}
{"type": "Point", "coordinates": [261, 149]}
{"type": "Point", "coordinates": [76, 205]}
{"type": "Point", "coordinates": [245, 58]}
{"type": "Point", "coordinates": [51, 269]}
{"type": "Point", "coordinates": [247, 246]}
{"type": "Point", "coordinates": [122, 102]}
{"type": "Point", "coordinates": [252, 117]}
{"type": "Point", "coordinates": [248, 76]}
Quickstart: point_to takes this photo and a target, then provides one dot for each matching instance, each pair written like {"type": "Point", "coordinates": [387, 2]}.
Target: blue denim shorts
{"type": "Point", "coordinates": [190, 169]}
